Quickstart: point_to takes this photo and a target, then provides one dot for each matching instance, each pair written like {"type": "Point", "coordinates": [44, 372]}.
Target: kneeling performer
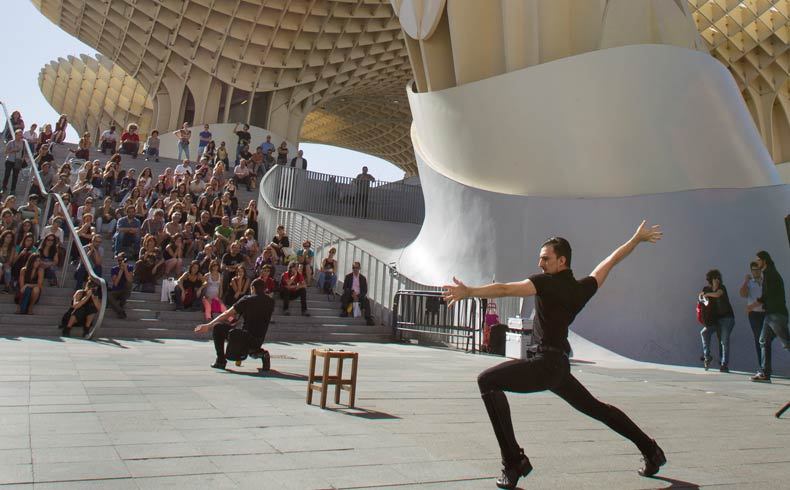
{"type": "Point", "coordinates": [256, 310]}
{"type": "Point", "coordinates": [559, 297]}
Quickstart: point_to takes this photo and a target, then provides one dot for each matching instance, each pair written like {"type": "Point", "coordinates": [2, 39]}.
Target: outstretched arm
{"type": "Point", "coordinates": [458, 291]}
{"type": "Point", "coordinates": [644, 233]}
{"type": "Point", "coordinates": [206, 327]}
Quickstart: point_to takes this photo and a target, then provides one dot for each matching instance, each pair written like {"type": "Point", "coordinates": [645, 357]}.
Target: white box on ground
{"type": "Point", "coordinates": [515, 346]}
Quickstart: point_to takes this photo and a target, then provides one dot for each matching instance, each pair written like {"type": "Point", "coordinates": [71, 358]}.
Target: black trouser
{"type": "Point", "coordinates": [756, 319]}
{"type": "Point", "coordinates": [11, 167]}
{"type": "Point", "coordinates": [546, 371]}
{"type": "Point", "coordinates": [220, 334]}
{"type": "Point", "coordinates": [117, 299]}
{"type": "Point", "coordinates": [348, 298]}
{"type": "Point", "coordinates": [289, 295]}
{"type": "Point", "coordinates": [108, 145]}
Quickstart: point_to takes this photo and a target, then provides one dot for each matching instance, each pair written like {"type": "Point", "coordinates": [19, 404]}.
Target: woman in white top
{"type": "Point", "coordinates": [212, 295]}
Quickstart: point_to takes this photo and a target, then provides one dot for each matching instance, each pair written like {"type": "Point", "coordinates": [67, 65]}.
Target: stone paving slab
{"type": "Point", "coordinates": [140, 415]}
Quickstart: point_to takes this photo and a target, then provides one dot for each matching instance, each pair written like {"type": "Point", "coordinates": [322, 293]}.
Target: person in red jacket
{"type": "Point", "coordinates": [130, 141]}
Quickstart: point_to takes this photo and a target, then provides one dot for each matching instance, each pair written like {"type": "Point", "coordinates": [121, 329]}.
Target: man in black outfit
{"type": "Point", "coordinates": [559, 297]}
{"type": "Point", "coordinates": [256, 310]}
{"type": "Point", "coordinates": [355, 288]}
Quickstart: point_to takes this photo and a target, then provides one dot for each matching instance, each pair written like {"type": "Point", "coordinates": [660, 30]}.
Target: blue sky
{"type": "Point", "coordinates": [43, 42]}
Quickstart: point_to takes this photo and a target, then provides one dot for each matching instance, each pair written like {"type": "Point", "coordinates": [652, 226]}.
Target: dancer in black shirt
{"type": "Point", "coordinates": [559, 297]}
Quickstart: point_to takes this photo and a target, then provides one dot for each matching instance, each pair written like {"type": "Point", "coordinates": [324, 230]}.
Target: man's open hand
{"type": "Point", "coordinates": [454, 293]}
{"type": "Point", "coordinates": [650, 234]}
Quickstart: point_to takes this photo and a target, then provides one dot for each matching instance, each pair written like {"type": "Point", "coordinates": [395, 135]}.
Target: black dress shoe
{"type": "Point", "coordinates": [654, 460]}
{"type": "Point", "coordinates": [218, 365]}
{"type": "Point", "coordinates": [511, 474]}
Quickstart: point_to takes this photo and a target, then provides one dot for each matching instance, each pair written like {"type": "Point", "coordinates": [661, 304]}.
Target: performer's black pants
{"type": "Point", "coordinates": [546, 371]}
{"type": "Point", "coordinates": [220, 334]}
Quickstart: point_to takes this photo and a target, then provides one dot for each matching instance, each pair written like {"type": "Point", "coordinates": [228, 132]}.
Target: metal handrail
{"type": "Point", "coordinates": [304, 190]}
{"type": "Point", "coordinates": [73, 238]}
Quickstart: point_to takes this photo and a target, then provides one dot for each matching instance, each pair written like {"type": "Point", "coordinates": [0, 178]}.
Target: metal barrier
{"type": "Point", "coordinates": [426, 313]}
{"type": "Point", "coordinates": [70, 228]}
{"type": "Point", "coordinates": [303, 190]}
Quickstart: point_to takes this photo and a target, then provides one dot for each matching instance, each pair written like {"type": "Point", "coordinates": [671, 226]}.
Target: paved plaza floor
{"type": "Point", "coordinates": [131, 415]}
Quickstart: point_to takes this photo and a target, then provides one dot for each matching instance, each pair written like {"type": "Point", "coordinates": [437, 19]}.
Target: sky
{"type": "Point", "coordinates": [44, 42]}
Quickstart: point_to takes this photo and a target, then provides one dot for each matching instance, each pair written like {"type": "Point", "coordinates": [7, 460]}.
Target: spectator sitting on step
{"type": "Point", "coordinates": [151, 148]}
{"type": "Point", "coordinates": [155, 226]}
{"type": "Point", "coordinates": [183, 170]}
{"type": "Point", "coordinates": [174, 227]}
{"type": "Point", "coordinates": [267, 276]}
{"type": "Point", "coordinates": [128, 232]}
{"type": "Point", "coordinates": [243, 175]}
{"type": "Point", "coordinates": [230, 261]}
{"type": "Point", "coordinates": [206, 256]}
{"type": "Point", "coordinates": [31, 284]}
{"type": "Point", "coordinates": [131, 197]}
{"type": "Point", "coordinates": [209, 153]}
{"type": "Point", "coordinates": [281, 244]}
{"type": "Point", "coordinates": [62, 185]}
{"type": "Point", "coordinates": [256, 162]}
{"type": "Point", "coordinates": [355, 290]}
{"type": "Point", "coordinates": [45, 135]}
{"type": "Point", "coordinates": [84, 306]}
{"type": "Point", "coordinates": [305, 256]}
{"type": "Point", "coordinates": [108, 141]}
{"type": "Point", "coordinates": [239, 223]}
{"type": "Point", "coordinates": [327, 278]}
{"type": "Point", "coordinates": [237, 286]}
{"type": "Point", "coordinates": [167, 180]}
{"type": "Point", "coordinates": [196, 185]}
{"type": "Point", "coordinates": [62, 124]}
{"type": "Point", "coordinates": [7, 258]}
{"type": "Point", "coordinates": [128, 184]}
{"type": "Point", "coordinates": [47, 178]}
{"type": "Point", "coordinates": [31, 136]}
{"type": "Point", "coordinates": [130, 141]}
{"type": "Point", "coordinates": [121, 281]}
{"type": "Point", "coordinates": [267, 257]}
{"type": "Point", "coordinates": [86, 208]}
{"type": "Point", "coordinates": [56, 228]}
{"type": "Point", "coordinates": [146, 272]}
{"type": "Point", "coordinates": [222, 155]}
{"type": "Point", "coordinates": [50, 257]}
{"type": "Point", "coordinates": [26, 227]}
{"type": "Point", "coordinates": [174, 255]}
{"type": "Point", "coordinates": [23, 251]}
{"type": "Point", "coordinates": [223, 234]}
{"type": "Point", "coordinates": [212, 297]}
{"type": "Point", "coordinates": [31, 211]}
{"type": "Point", "coordinates": [292, 286]}
{"type": "Point", "coordinates": [83, 150]}
{"type": "Point", "coordinates": [105, 218]}
{"type": "Point", "coordinates": [9, 204]}
{"type": "Point", "coordinates": [95, 253]}
{"type": "Point", "coordinates": [189, 288]}
{"type": "Point", "coordinates": [7, 222]}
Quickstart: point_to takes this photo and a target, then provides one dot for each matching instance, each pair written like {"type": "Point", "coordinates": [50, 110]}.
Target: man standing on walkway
{"type": "Point", "coordinates": [752, 290]}
{"type": "Point", "coordinates": [559, 297]}
{"type": "Point", "coordinates": [773, 301]}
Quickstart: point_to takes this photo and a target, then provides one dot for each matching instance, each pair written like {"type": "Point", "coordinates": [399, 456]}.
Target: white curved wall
{"type": "Point", "coordinates": [220, 132]}
{"type": "Point", "coordinates": [616, 122]}
{"type": "Point", "coordinates": [585, 148]}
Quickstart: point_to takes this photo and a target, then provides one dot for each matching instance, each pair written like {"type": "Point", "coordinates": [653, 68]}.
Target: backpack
{"type": "Point", "coordinates": [705, 313]}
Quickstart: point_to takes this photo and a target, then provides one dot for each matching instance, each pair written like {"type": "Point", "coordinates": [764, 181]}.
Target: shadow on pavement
{"type": "Point", "coordinates": [676, 483]}
{"type": "Point", "coordinates": [364, 413]}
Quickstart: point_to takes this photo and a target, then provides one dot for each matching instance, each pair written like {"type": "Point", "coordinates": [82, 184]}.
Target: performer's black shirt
{"type": "Point", "coordinates": [256, 310]}
{"type": "Point", "coordinates": [560, 297]}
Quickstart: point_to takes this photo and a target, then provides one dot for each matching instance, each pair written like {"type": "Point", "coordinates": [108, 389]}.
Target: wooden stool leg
{"type": "Point", "coordinates": [353, 394]}
{"type": "Point", "coordinates": [311, 377]}
{"type": "Point", "coordinates": [327, 361]}
{"type": "Point", "coordinates": [339, 384]}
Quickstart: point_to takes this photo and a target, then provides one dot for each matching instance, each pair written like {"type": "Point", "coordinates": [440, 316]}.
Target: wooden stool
{"type": "Point", "coordinates": [349, 385]}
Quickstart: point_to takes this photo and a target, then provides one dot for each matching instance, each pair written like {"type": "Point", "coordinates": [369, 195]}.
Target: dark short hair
{"type": "Point", "coordinates": [561, 248]}
{"type": "Point", "coordinates": [259, 286]}
{"type": "Point", "coordinates": [713, 274]}
{"type": "Point", "coordinates": [752, 265]}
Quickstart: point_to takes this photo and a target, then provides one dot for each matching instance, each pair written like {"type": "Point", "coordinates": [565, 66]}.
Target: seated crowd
{"type": "Point", "coordinates": [186, 223]}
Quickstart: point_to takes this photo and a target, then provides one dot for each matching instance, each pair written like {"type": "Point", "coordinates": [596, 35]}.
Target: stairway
{"type": "Point", "coordinates": [149, 318]}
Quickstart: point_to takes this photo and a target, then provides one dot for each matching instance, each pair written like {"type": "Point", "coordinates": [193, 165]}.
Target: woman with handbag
{"type": "Point", "coordinates": [721, 320]}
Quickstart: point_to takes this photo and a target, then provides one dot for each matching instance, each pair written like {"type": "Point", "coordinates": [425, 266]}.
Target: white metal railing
{"type": "Point", "coordinates": [73, 239]}
{"type": "Point", "coordinates": [303, 190]}
{"type": "Point", "coordinates": [384, 281]}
